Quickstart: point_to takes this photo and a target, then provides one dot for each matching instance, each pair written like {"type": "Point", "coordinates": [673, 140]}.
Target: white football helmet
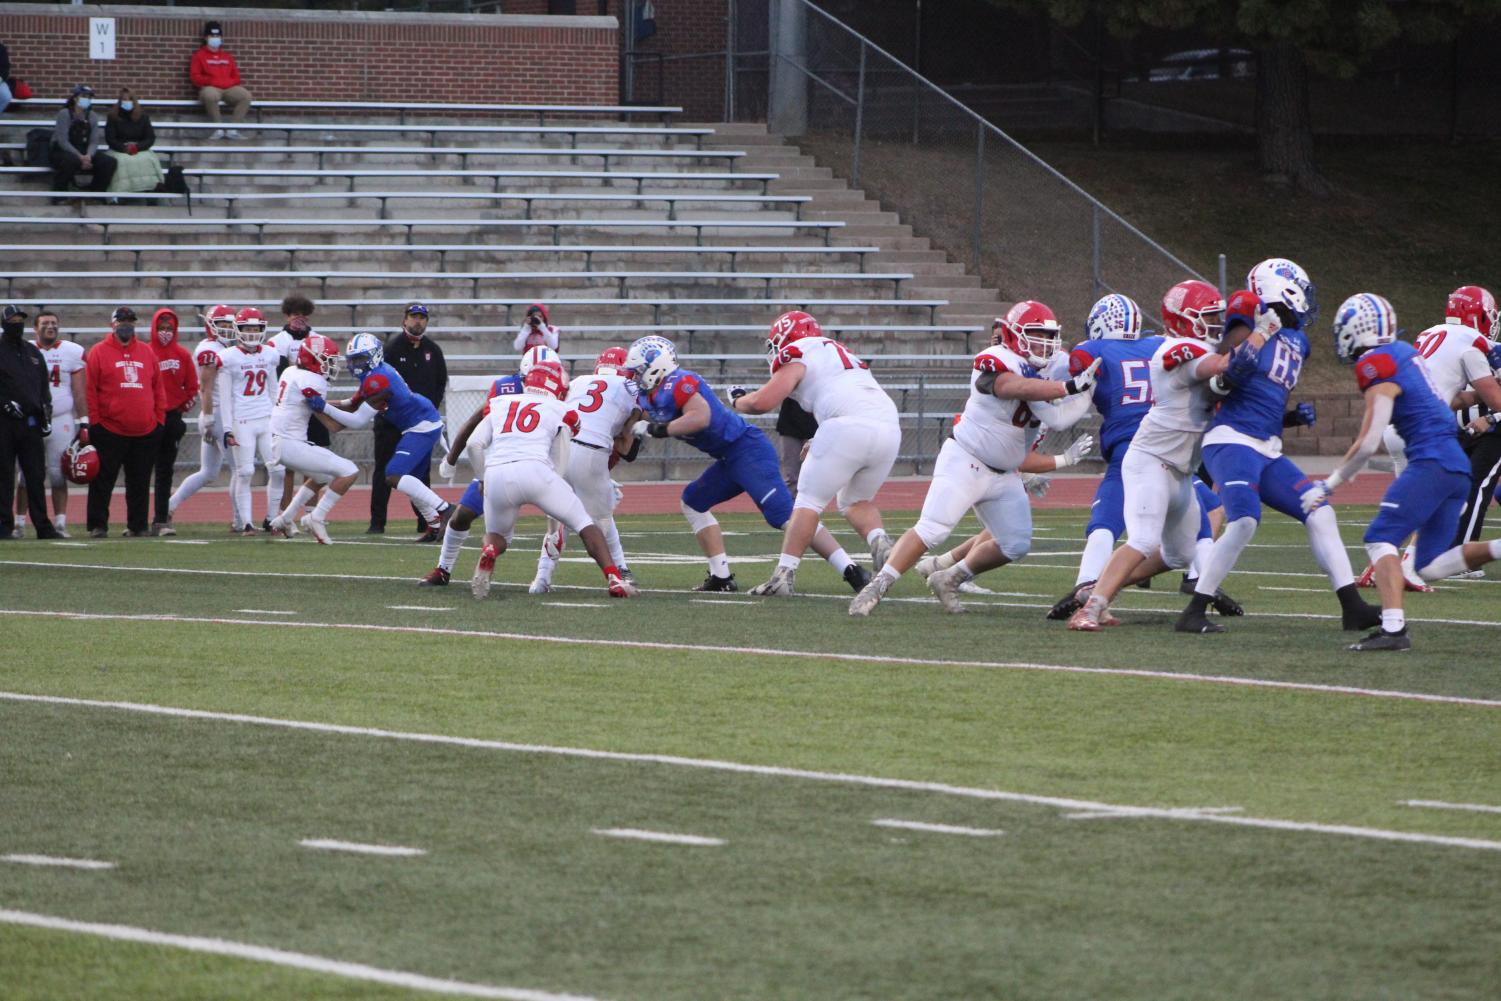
{"type": "Point", "coordinates": [1278, 280]}
{"type": "Point", "coordinates": [1364, 321]}
{"type": "Point", "coordinates": [649, 361]}
{"type": "Point", "coordinates": [364, 352]}
{"type": "Point", "coordinates": [532, 357]}
{"type": "Point", "coordinates": [1115, 317]}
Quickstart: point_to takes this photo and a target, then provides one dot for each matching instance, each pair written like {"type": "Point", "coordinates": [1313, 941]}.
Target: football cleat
{"type": "Point", "coordinates": [1465, 575]}
{"type": "Point", "coordinates": [552, 542]}
{"type": "Point", "coordinates": [62, 533]}
{"type": "Point", "coordinates": [926, 566]}
{"type": "Point", "coordinates": [266, 523]}
{"type": "Point", "coordinates": [163, 528]}
{"type": "Point", "coordinates": [1363, 616]}
{"type": "Point", "coordinates": [1071, 602]}
{"type": "Point", "coordinates": [783, 581]}
{"type": "Point", "coordinates": [1091, 618]}
{"type": "Point", "coordinates": [1196, 622]}
{"type": "Point", "coordinates": [1222, 602]}
{"type": "Point", "coordinates": [945, 585]}
{"type": "Point", "coordinates": [1413, 582]}
{"type": "Point", "coordinates": [479, 584]}
{"type": "Point", "coordinates": [620, 588]}
{"type": "Point", "coordinates": [1381, 640]}
{"type": "Point", "coordinates": [249, 531]}
{"type": "Point", "coordinates": [881, 552]}
{"type": "Point", "coordinates": [539, 585]}
{"type": "Point", "coordinates": [713, 583]}
{"type": "Point", "coordinates": [436, 524]}
{"type": "Point", "coordinates": [626, 575]}
{"type": "Point", "coordinates": [856, 577]}
{"type": "Point", "coordinates": [870, 596]}
{"type": "Point", "coordinates": [317, 528]}
{"type": "Point", "coordinates": [1368, 577]}
{"type": "Point", "coordinates": [436, 577]}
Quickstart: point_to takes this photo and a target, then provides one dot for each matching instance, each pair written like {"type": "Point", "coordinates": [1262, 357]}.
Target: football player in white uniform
{"type": "Point", "coordinates": [606, 406]}
{"type": "Point", "coordinates": [295, 308]}
{"type": "Point", "coordinates": [300, 395]}
{"type": "Point", "coordinates": [218, 336]}
{"type": "Point", "coordinates": [65, 377]}
{"type": "Point", "coordinates": [851, 454]}
{"type": "Point", "coordinates": [980, 466]}
{"type": "Point", "coordinates": [525, 440]}
{"type": "Point", "coordinates": [243, 395]}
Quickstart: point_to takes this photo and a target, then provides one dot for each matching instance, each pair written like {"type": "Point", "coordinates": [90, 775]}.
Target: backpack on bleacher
{"type": "Point", "coordinates": [39, 148]}
{"type": "Point", "coordinates": [174, 182]}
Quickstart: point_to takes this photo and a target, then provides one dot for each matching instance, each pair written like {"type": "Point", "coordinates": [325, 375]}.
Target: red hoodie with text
{"type": "Point", "coordinates": [179, 374]}
{"type": "Point", "coordinates": [125, 387]}
{"type": "Point", "coordinates": [211, 68]}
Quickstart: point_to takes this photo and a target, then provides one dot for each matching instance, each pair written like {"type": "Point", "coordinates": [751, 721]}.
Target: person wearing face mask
{"type": "Point", "coordinates": [25, 417]}
{"type": "Point", "coordinates": [296, 311]}
{"type": "Point", "coordinates": [65, 379]}
{"type": "Point", "coordinates": [129, 136]}
{"type": "Point", "coordinates": [179, 377]}
{"type": "Point", "coordinates": [73, 147]}
{"type": "Point", "coordinates": [127, 407]}
{"type": "Point", "coordinates": [217, 76]}
{"type": "Point", "coordinates": [419, 360]}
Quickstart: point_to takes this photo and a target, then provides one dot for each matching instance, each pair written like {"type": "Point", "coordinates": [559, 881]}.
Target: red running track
{"type": "Point", "coordinates": [210, 506]}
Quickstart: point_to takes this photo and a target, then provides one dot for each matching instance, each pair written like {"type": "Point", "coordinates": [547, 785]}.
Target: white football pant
{"type": "Point", "coordinates": [849, 460]}
{"type": "Point", "coordinates": [961, 482]}
{"type": "Point", "coordinates": [1161, 509]}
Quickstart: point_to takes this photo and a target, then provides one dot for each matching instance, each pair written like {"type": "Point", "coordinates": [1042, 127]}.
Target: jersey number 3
{"type": "Point", "coordinates": [596, 397]}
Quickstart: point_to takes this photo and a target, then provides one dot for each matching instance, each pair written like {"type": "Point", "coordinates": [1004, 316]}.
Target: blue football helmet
{"type": "Point", "coordinates": [364, 353]}
{"type": "Point", "coordinates": [1115, 317]}
{"type": "Point", "coordinates": [1364, 321]}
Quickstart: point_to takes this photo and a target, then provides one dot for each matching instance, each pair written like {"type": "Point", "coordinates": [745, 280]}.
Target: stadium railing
{"type": "Point", "coordinates": [402, 107]}
{"type": "Point", "coordinates": [606, 154]}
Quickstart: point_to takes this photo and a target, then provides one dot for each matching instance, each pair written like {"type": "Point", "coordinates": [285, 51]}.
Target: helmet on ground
{"type": "Point", "coordinates": [80, 463]}
{"type": "Point", "coordinates": [1474, 307]}
{"type": "Point", "coordinates": [250, 327]}
{"type": "Point", "coordinates": [1364, 321]}
{"type": "Point", "coordinates": [1115, 317]}
{"type": "Point", "coordinates": [1194, 308]}
{"type": "Point", "coordinates": [789, 327]}
{"type": "Point", "coordinates": [1031, 329]}
{"type": "Point", "coordinates": [319, 354]}
{"type": "Point", "coordinates": [532, 357]}
{"type": "Point", "coordinates": [649, 361]}
{"type": "Point", "coordinates": [1279, 281]}
{"type": "Point", "coordinates": [219, 323]}
{"type": "Point", "coordinates": [546, 378]}
{"type": "Point", "coordinates": [610, 361]}
{"type": "Point", "coordinates": [364, 353]}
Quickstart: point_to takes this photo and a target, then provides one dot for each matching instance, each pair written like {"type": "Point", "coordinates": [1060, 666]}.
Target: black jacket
{"type": "Point", "coordinates": [422, 365]}
{"type": "Point", "coordinates": [122, 129]}
{"type": "Point", "coordinates": [23, 377]}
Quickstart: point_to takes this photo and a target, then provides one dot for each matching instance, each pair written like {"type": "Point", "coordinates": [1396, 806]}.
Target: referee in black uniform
{"type": "Point", "coordinates": [418, 360]}
{"type": "Point", "coordinates": [1481, 440]}
{"type": "Point", "coordinates": [25, 418]}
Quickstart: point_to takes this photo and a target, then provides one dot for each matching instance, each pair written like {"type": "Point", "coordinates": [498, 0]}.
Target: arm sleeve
{"type": "Point", "coordinates": [234, 71]}
{"type": "Point", "coordinates": [191, 382]}
{"type": "Point", "coordinates": [519, 344]}
{"type": "Point", "coordinates": [1064, 413]}
{"type": "Point", "coordinates": [148, 139]}
{"type": "Point", "coordinates": [361, 418]}
{"type": "Point", "coordinates": [60, 131]}
{"type": "Point", "coordinates": [224, 400]}
{"type": "Point", "coordinates": [195, 70]}
{"type": "Point", "coordinates": [112, 134]}
{"type": "Point", "coordinates": [1381, 416]}
{"type": "Point", "coordinates": [479, 442]}
{"type": "Point", "coordinates": [1474, 364]}
{"type": "Point", "coordinates": [159, 388]}
{"type": "Point", "coordinates": [561, 443]}
{"type": "Point", "coordinates": [552, 337]}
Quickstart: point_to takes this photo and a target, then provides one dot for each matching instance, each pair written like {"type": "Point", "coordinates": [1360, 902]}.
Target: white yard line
{"type": "Point", "coordinates": [859, 658]}
{"type": "Point", "coordinates": [328, 844]}
{"type": "Point", "coordinates": [420, 608]}
{"type": "Point", "coordinates": [773, 771]}
{"type": "Point", "coordinates": [192, 542]}
{"type": "Point", "coordinates": [723, 601]}
{"type": "Point", "coordinates": [72, 545]}
{"type": "Point", "coordinates": [1186, 811]}
{"type": "Point", "coordinates": [263, 611]}
{"type": "Point", "coordinates": [1438, 804]}
{"type": "Point", "coordinates": [660, 837]}
{"type": "Point", "coordinates": [917, 825]}
{"type": "Point", "coordinates": [281, 957]}
{"type": "Point", "coordinates": [576, 604]}
{"type": "Point", "coordinates": [65, 863]}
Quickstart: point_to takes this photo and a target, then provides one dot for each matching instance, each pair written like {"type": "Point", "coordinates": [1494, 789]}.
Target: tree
{"type": "Point", "coordinates": [1289, 37]}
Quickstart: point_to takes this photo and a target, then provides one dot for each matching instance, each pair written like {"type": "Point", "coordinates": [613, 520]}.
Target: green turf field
{"type": "Point", "coordinates": [1196, 817]}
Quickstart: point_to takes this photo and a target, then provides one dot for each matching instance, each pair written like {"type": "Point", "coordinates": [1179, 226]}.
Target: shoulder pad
{"type": "Point", "coordinates": [1374, 368]}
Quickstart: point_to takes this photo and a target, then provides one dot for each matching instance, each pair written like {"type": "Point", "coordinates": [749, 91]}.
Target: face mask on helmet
{"type": "Point", "coordinates": [1283, 283]}
{"type": "Point", "coordinates": [1364, 321]}
{"type": "Point", "coordinates": [1114, 318]}
{"type": "Point", "coordinates": [649, 361]}
{"type": "Point", "coordinates": [790, 326]}
{"type": "Point", "coordinates": [1031, 329]}
{"type": "Point", "coordinates": [1474, 307]}
{"type": "Point", "coordinates": [363, 354]}
{"type": "Point", "coordinates": [1194, 309]}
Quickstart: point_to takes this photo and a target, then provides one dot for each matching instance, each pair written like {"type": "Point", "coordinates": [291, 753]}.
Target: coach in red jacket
{"type": "Point", "coordinates": [127, 405]}
{"type": "Point", "coordinates": [180, 387]}
{"type": "Point", "coordinates": [217, 76]}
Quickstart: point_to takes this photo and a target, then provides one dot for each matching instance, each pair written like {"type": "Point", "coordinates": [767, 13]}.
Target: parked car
{"type": "Point", "coordinates": [1203, 64]}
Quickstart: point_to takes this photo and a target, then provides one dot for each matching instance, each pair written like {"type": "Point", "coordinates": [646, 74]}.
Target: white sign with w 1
{"type": "Point", "coordinates": [101, 38]}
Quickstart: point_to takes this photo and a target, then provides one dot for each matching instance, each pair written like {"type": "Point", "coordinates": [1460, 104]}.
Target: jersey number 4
{"type": "Point", "coordinates": [523, 417]}
{"type": "Point", "coordinates": [57, 375]}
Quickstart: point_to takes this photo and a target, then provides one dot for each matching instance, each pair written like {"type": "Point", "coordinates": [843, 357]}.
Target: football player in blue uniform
{"type": "Point", "coordinates": [1123, 395]}
{"type": "Point", "coordinates": [1243, 447]}
{"type": "Point", "coordinates": [1429, 494]}
{"type": "Point", "coordinates": [382, 388]}
{"type": "Point", "coordinates": [679, 403]}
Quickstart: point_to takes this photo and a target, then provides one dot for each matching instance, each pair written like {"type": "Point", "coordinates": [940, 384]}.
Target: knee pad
{"type": "Point", "coordinates": [1177, 560]}
{"type": "Point", "coordinates": [1240, 501]}
{"type": "Point", "coordinates": [698, 520]}
{"type": "Point", "coordinates": [931, 532]}
{"type": "Point", "coordinates": [1015, 550]}
{"type": "Point", "coordinates": [1376, 550]}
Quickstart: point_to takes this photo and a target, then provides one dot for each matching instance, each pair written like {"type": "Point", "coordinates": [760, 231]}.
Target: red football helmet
{"type": "Point", "coordinates": [250, 327]}
{"type": "Point", "coordinates": [80, 463]}
{"type": "Point", "coordinates": [1474, 307]}
{"type": "Point", "coordinates": [546, 377]}
{"type": "Point", "coordinates": [219, 323]}
{"type": "Point", "coordinates": [319, 354]}
{"type": "Point", "coordinates": [1194, 309]}
{"type": "Point", "coordinates": [1030, 329]}
{"type": "Point", "coordinates": [610, 361]}
{"type": "Point", "coordinates": [789, 327]}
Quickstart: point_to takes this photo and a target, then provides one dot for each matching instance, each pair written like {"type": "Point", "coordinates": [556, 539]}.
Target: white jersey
{"type": "Point", "coordinates": [63, 359]}
{"type": "Point", "coordinates": [1182, 405]}
{"type": "Point", "coordinates": [246, 383]}
{"type": "Point", "coordinates": [604, 403]}
{"type": "Point", "coordinates": [991, 429]}
{"type": "Point", "coordinates": [835, 383]}
{"type": "Point", "coordinates": [1455, 356]}
{"type": "Point", "coordinates": [290, 414]}
{"type": "Point", "coordinates": [520, 428]}
{"type": "Point", "coordinates": [285, 345]}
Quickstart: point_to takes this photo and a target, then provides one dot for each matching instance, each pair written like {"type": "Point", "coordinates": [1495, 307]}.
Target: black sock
{"type": "Point", "coordinates": [1349, 598]}
{"type": "Point", "coordinates": [1197, 605]}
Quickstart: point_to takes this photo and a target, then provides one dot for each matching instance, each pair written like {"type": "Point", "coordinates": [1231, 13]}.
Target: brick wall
{"type": "Point", "coordinates": [310, 55]}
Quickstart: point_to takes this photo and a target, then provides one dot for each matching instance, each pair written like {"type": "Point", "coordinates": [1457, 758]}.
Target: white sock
{"type": "Point", "coordinates": [1494, 546]}
{"type": "Point", "coordinates": [61, 520]}
{"type": "Point", "coordinates": [875, 533]}
{"type": "Point", "coordinates": [421, 494]}
{"type": "Point", "coordinates": [963, 572]}
{"type": "Point", "coordinates": [1225, 553]}
{"type": "Point", "coordinates": [1202, 549]}
{"type": "Point", "coordinates": [1392, 620]}
{"type": "Point", "coordinates": [325, 504]}
{"type": "Point", "coordinates": [840, 560]}
{"type": "Point", "coordinates": [719, 565]}
{"type": "Point", "coordinates": [299, 501]}
{"type": "Point", "coordinates": [240, 487]}
{"type": "Point", "coordinates": [545, 566]}
{"type": "Point", "coordinates": [1328, 548]}
{"type": "Point", "coordinates": [275, 477]}
{"type": "Point", "coordinates": [791, 562]}
{"type": "Point", "coordinates": [890, 572]}
{"type": "Point", "coordinates": [20, 521]}
{"type": "Point", "coordinates": [453, 541]}
{"type": "Point", "coordinates": [944, 560]}
{"type": "Point", "coordinates": [612, 542]}
{"type": "Point", "coordinates": [1097, 550]}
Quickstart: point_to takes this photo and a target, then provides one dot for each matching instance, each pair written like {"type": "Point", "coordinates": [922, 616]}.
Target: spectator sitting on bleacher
{"type": "Point", "coordinates": [73, 149]}
{"type": "Point", "coordinates": [217, 76]}
{"type": "Point", "coordinates": [129, 135]}
{"type": "Point", "coordinates": [535, 330]}
{"type": "Point", "coordinates": [5, 94]}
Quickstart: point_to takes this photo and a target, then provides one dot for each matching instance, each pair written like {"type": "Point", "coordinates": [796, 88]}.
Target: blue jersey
{"type": "Point", "coordinates": [1420, 415]}
{"type": "Point", "coordinates": [1123, 392]}
{"type": "Point", "coordinates": [666, 402]}
{"type": "Point", "coordinates": [1255, 405]}
{"type": "Point", "coordinates": [404, 408]}
{"type": "Point", "coordinates": [506, 385]}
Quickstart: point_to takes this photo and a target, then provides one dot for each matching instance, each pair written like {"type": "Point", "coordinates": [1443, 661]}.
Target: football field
{"type": "Point", "coordinates": [244, 768]}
